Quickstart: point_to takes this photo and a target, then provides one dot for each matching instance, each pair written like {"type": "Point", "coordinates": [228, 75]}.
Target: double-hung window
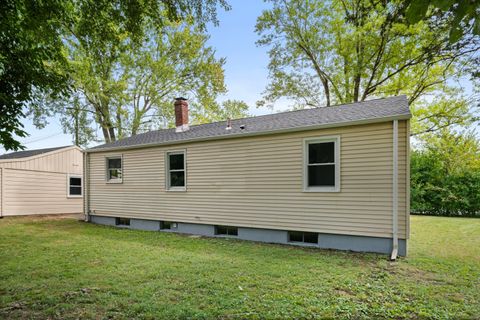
{"type": "Point", "coordinates": [176, 171]}
{"type": "Point", "coordinates": [322, 164]}
{"type": "Point", "coordinates": [74, 186]}
{"type": "Point", "coordinates": [114, 169]}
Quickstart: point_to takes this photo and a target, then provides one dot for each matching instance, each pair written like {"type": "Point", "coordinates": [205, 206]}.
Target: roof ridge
{"type": "Point", "coordinates": [297, 110]}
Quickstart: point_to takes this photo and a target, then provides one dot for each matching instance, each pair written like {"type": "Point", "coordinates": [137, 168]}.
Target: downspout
{"type": "Point", "coordinates": [85, 186]}
{"type": "Point", "coordinates": [1, 192]}
{"type": "Point", "coordinates": [395, 192]}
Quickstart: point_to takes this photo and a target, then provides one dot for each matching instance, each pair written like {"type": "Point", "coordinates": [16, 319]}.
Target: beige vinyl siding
{"type": "Point", "coordinates": [257, 182]}
{"type": "Point", "coordinates": [36, 192]}
{"type": "Point", "coordinates": [69, 160]}
{"type": "Point", "coordinates": [39, 184]}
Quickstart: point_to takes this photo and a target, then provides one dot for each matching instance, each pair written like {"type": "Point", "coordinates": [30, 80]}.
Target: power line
{"type": "Point", "coordinates": [43, 138]}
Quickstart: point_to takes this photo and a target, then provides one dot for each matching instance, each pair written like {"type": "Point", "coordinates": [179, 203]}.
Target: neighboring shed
{"type": "Point", "coordinates": [331, 177]}
{"type": "Point", "coordinates": [44, 181]}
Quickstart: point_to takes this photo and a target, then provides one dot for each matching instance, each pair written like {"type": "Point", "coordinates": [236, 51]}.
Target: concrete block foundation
{"type": "Point", "coordinates": [325, 240]}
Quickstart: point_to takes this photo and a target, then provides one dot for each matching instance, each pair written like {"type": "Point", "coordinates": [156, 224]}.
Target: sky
{"type": "Point", "coordinates": [246, 74]}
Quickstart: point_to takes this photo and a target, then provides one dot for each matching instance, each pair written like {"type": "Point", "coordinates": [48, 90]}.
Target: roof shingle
{"type": "Point", "coordinates": [372, 110]}
{"type": "Point", "coordinates": [28, 153]}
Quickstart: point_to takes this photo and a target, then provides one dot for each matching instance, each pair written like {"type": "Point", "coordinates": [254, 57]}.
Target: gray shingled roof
{"type": "Point", "coordinates": [28, 153]}
{"type": "Point", "coordinates": [372, 110]}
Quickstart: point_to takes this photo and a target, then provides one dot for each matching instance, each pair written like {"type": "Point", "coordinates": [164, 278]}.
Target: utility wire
{"type": "Point", "coordinates": [42, 138]}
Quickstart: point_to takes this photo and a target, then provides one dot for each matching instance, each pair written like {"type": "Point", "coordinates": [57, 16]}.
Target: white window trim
{"type": "Point", "coordinates": [113, 181]}
{"type": "Point", "coordinates": [167, 170]}
{"type": "Point", "coordinates": [306, 142]}
{"type": "Point", "coordinates": [68, 186]}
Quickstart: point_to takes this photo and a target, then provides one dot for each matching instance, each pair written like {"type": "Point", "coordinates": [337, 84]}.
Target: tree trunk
{"type": "Point", "coordinates": [327, 91]}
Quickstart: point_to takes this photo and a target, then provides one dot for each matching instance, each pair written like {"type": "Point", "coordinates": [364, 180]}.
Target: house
{"type": "Point", "coordinates": [332, 177]}
{"type": "Point", "coordinates": [44, 181]}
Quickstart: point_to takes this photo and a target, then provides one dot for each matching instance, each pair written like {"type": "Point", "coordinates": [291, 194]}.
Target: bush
{"type": "Point", "coordinates": [438, 191]}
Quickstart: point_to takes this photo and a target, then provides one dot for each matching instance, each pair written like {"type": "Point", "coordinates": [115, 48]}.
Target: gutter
{"type": "Point", "coordinates": [394, 254]}
{"type": "Point", "coordinates": [252, 134]}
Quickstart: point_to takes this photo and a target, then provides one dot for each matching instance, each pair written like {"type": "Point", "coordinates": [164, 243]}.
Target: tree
{"type": "Point", "coordinates": [339, 51]}
{"type": "Point", "coordinates": [444, 111]}
{"type": "Point", "coordinates": [175, 63]}
{"type": "Point", "coordinates": [228, 109]}
{"type": "Point", "coordinates": [75, 119]}
{"type": "Point", "coordinates": [465, 14]}
{"type": "Point", "coordinates": [33, 35]}
{"type": "Point", "coordinates": [29, 42]}
{"type": "Point", "coordinates": [130, 89]}
{"type": "Point", "coordinates": [445, 174]}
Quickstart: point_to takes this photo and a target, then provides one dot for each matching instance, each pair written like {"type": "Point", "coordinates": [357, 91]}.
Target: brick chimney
{"type": "Point", "coordinates": [181, 114]}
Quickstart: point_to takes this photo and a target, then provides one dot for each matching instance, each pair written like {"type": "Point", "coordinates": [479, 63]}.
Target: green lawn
{"type": "Point", "coordinates": [61, 268]}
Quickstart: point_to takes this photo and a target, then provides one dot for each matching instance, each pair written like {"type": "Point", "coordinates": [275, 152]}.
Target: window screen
{"type": "Point", "coordinates": [176, 170]}
{"type": "Point", "coordinates": [74, 186]}
{"type": "Point", "coordinates": [299, 236]}
{"type": "Point", "coordinates": [226, 230]}
{"type": "Point", "coordinates": [114, 169]}
{"type": "Point", "coordinates": [321, 164]}
{"type": "Point", "coordinates": [122, 221]}
{"type": "Point", "coordinates": [165, 225]}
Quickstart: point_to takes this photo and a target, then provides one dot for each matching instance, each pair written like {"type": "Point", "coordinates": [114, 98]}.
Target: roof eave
{"type": "Point", "coordinates": [41, 154]}
{"type": "Point", "coordinates": [251, 134]}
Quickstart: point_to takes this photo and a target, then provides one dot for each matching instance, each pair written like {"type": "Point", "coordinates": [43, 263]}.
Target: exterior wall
{"type": "Point", "coordinates": [257, 182]}
{"type": "Point", "coordinates": [68, 160]}
{"type": "Point", "coordinates": [39, 184]}
{"type": "Point", "coordinates": [325, 241]}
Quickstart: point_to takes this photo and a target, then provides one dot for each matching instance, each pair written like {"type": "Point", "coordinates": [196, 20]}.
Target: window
{"type": "Point", "coordinates": [122, 221]}
{"type": "Point", "coordinates": [176, 173]}
{"type": "Point", "coordinates": [114, 169]}
{"type": "Point", "coordinates": [306, 237]}
{"type": "Point", "coordinates": [322, 165]}
{"type": "Point", "coordinates": [227, 231]}
{"type": "Point", "coordinates": [74, 186]}
{"type": "Point", "coordinates": [166, 225]}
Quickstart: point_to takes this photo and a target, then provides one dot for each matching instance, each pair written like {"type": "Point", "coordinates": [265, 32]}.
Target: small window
{"type": "Point", "coordinates": [226, 230]}
{"type": "Point", "coordinates": [176, 172]}
{"type": "Point", "coordinates": [74, 186]}
{"type": "Point", "coordinates": [306, 237]}
{"type": "Point", "coordinates": [122, 221]}
{"type": "Point", "coordinates": [322, 169]}
{"type": "Point", "coordinates": [165, 225]}
{"type": "Point", "coordinates": [114, 169]}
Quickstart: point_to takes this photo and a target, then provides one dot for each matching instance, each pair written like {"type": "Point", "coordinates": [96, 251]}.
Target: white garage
{"type": "Point", "coordinates": [43, 181]}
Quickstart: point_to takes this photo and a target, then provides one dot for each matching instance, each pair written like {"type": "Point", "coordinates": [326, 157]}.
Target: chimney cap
{"type": "Point", "coordinates": [181, 99]}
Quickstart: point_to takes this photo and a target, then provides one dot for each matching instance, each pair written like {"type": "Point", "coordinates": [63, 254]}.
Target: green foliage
{"type": "Point", "coordinates": [229, 109]}
{"type": "Point", "coordinates": [445, 176]}
{"type": "Point", "coordinates": [65, 269]}
{"type": "Point", "coordinates": [465, 15]}
{"type": "Point", "coordinates": [442, 112]}
{"type": "Point", "coordinates": [127, 80]}
{"type": "Point", "coordinates": [75, 120]}
{"type": "Point", "coordinates": [34, 37]}
{"type": "Point", "coordinates": [130, 90]}
{"type": "Point", "coordinates": [29, 44]}
{"type": "Point", "coordinates": [175, 63]}
{"type": "Point", "coordinates": [11, 125]}
{"type": "Point", "coordinates": [330, 52]}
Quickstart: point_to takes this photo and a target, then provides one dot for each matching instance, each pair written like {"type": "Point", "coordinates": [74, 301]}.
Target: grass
{"type": "Point", "coordinates": [65, 269]}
